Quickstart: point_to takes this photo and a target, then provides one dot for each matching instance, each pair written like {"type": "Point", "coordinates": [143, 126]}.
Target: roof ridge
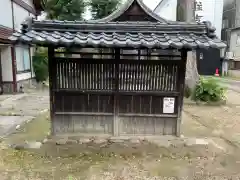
{"type": "Point", "coordinates": [159, 4]}
{"type": "Point", "coordinates": [125, 6]}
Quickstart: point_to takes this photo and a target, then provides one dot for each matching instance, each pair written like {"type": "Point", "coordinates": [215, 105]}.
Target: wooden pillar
{"type": "Point", "coordinates": [14, 68]}
{"type": "Point", "coordinates": [51, 68]}
{"type": "Point", "coordinates": [181, 79]}
{"type": "Point", "coordinates": [30, 59]}
{"type": "Point", "coordinates": [1, 79]}
{"type": "Point", "coordinates": [116, 94]}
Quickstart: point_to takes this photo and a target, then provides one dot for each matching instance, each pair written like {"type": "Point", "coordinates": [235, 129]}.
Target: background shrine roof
{"type": "Point", "coordinates": [112, 31]}
{"type": "Point", "coordinates": [132, 5]}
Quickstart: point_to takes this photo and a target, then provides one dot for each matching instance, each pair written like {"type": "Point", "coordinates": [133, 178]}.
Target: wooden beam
{"type": "Point", "coordinates": [116, 96]}
{"type": "Point", "coordinates": [84, 113]}
{"type": "Point", "coordinates": [51, 79]}
{"type": "Point", "coordinates": [181, 79]}
{"type": "Point", "coordinates": [14, 68]}
{"type": "Point", "coordinates": [149, 115]}
{"type": "Point", "coordinates": [1, 80]}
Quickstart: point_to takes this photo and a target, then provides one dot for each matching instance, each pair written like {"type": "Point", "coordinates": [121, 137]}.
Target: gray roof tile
{"type": "Point", "coordinates": [148, 40]}
{"type": "Point", "coordinates": [118, 34]}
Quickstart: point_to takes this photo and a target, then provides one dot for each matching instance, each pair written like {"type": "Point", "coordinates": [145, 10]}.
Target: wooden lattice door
{"type": "Point", "coordinates": [143, 84]}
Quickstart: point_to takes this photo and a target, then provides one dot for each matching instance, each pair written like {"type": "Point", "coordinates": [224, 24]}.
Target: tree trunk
{"type": "Point", "coordinates": [192, 76]}
{"type": "Point", "coordinates": [185, 12]}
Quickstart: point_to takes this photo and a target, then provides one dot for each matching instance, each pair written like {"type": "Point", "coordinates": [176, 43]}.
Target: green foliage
{"type": "Point", "coordinates": [40, 64]}
{"type": "Point", "coordinates": [209, 90]}
{"type": "Point", "coordinates": [102, 8]}
{"type": "Point", "coordinates": [65, 9]}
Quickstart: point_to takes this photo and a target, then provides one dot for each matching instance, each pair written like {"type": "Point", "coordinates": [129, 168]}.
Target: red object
{"type": "Point", "coordinates": [217, 72]}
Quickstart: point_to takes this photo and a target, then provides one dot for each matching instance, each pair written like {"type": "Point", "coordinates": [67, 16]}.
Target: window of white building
{"type": "Point", "coordinates": [238, 40]}
{"type": "Point", "coordinates": [23, 59]}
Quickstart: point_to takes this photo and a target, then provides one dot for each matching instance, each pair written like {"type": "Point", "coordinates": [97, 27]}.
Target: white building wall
{"type": "Point", "coordinates": [23, 76]}
{"type": "Point", "coordinates": [235, 44]}
{"type": "Point", "coordinates": [6, 61]}
{"type": "Point", "coordinates": [20, 15]}
{"type": "Point", "coordinates": [167, 10]}
{"type": "Point", "coordinates": [6, 13]}
{"type": "Point", "coordinates": [212, 11]}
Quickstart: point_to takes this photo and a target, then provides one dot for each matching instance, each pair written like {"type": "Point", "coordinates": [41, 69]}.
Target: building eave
{"type": "Point", "coordinates": [159, 4]}
{"type": "Point", "coordinates": [5, 33]}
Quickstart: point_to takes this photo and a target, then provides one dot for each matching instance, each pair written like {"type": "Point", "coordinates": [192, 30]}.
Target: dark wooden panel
{"type": "Point", "coordinates": [147, 126]}
{"type": "Point", "coordinates": [82, 102]}
{"type": "Point", "coordinates": [82, 124]}
{"type": "Point", "coordinates": [143, 104]}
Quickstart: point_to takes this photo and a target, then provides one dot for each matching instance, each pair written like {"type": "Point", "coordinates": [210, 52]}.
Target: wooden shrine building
{"type": "Point", "coordinates": [120, 75]}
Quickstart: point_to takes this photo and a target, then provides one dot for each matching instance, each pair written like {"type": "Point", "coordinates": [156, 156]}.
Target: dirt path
{"type": "Point", "coordinates": [112, 161]}
{"type": "Point", "coordinates": [223, 121]}
{"type": "Point", "coordinates": [15, 110]}
{"type": "Point", "coordinates": [27, 104]}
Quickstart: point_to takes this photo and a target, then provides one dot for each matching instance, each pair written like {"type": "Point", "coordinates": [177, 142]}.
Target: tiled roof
{"type": "Point", "coordinates": [5, 33]}
{"type": "Point", "coordinates": [156, 32]}
{"type": "Point", "coordinates": [130, 34]}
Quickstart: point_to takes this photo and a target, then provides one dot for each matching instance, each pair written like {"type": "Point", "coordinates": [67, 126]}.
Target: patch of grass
{"type": "Point", "coordinates": [167, 168]}
{"type": "Point", "coordinates": [209, 90]}
{"type": "Point", "coordinates": [35, 130]}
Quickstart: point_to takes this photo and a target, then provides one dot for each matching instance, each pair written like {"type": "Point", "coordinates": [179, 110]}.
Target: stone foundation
{"type": "Point", "coordinates": [21, 86]}
{"type": "Point", "coordinates": [7, 87]}
{"type": "Point", "coordinates": [161, 141]}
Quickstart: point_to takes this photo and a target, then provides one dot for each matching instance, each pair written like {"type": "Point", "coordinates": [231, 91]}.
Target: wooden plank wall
{"type": "Point", "coordinates": [111, 93]}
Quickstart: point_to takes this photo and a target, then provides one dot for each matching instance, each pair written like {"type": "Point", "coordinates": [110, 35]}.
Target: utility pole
{"type": "Point", "coordinates": [185, 10]}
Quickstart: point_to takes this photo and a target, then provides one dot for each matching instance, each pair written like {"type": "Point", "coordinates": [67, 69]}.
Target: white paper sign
{"type": "Point", "coordinates": [168, 105]}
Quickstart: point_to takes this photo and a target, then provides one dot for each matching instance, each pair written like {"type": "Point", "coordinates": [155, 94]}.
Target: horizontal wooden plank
{"type": "Point", "coordinates": [84, 113]}
{"type": "Point", "coordinates": [153, 93]}
{"type": "Point", "coordinates": [84, 60]}
{"type": "Point", "coordinates": [77, 91]}
{"type": "Point", "coordinates": [113, 54]}
{"type": "Point", "coordinates": [105, 92]}
{"type": "Point", "coordinates": [149, 115]}
{"type": "Point", "coordinates": [113, 61]}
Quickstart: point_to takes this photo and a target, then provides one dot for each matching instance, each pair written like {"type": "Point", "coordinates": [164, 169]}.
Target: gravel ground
{"type": "Point", "coordinates": [128, 161]}
{"type": "Point", "coordinates": [28, 104]}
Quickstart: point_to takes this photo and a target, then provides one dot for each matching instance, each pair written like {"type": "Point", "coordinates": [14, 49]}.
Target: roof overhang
{"type": "Point", "coordinates": [108, 32]}
{"type": "Point", "coordinates": [5, 33]}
